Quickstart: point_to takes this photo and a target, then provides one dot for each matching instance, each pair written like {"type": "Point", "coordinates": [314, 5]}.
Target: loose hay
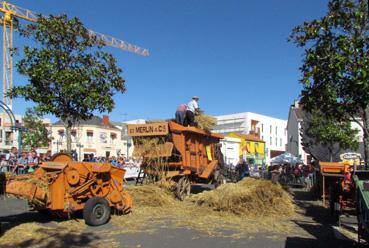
{"type": "Point", "coordinates": [249, 197]}
{"type": "Point", "coordinates": [212, 212]}
{"type": "Point", "coordinates": [206, 122]}
{"type": "Point", "coordinates": [151, 196]}
{"type": "Point", "coordinates": [228, 211]}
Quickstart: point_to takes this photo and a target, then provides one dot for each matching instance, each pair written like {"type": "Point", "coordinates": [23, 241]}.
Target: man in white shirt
{"type": "Point", "coordinates": [192, 110]}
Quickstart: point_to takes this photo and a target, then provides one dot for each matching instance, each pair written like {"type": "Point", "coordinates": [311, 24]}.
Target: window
{"type": "Point", "coordinates": [73, 133]}
{"type": "Point", "coordinates": [271, 143]}
{"type": "Point", "coordinates": [103, 138]}
{"type": "Point", "coordinates": [262, 127]}
{"type": "Point", "coordinates": [113, 137]}
{"type": "Point", "coordinates": [262, 137]}
{"type": "Point", "coordinates": [271, 128]}
{"type": "Point", "coordinates": [280, 142]}
{"type": "Point", "coordinates": [276, 141]}
{"type": "Point", "coordinates": [276, 130]}
{"type": "Point", "coordinates": [285, 132]}
{"type": "Point", "coordinates": [90, 135]}
{"type": "Point", "coordinates": [8, 138]}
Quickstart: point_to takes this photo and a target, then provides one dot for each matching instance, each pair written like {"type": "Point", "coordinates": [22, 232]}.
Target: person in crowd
{"type": "Point", "coordinates": [113, 161]}
{"type": "Point", "coordinates": [22, 163]}
{"type": "Point", "coordinates": [181, 114]}
{"type": "Point", "coordinates": [33, 161]}
{"type": "Point", "coordinates": [12, 158]}
{"type": "Point", "coordinates": [3, 164]}
{"type": "Point", "coordinates": [276, 171]}
{"type": "Point", "coordinates": [74, 155]}
{"type": "Point", "coordinates": [92, 158]}
{"type": "Point", "coordinates": [192, 110]}
{"type": "Point", "coordinates": [48, 155]}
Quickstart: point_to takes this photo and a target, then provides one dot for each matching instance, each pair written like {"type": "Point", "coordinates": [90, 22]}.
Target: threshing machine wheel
{"type": "Point", "coordinates": [183, 188]}
{"type": "Point", "coordinates": [96, 211]}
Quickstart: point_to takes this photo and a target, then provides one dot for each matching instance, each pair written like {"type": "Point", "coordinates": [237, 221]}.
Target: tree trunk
{"type": "Point", "coordinates": [68, 129]}
{"type": "Point", "coordinates": [330, 154]}
{"type": "Point", "coordinates": [366, 136]}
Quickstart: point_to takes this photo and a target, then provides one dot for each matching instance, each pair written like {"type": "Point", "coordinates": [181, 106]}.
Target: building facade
{"type": "Point", "coordinates": [128, 146]}
{"type": "Point", "coordinates": [9, 136]}
{"type": "Point", "coordinates": [95, 136]}
{"type": "Point", "coordinates": [252, 148]}
{"type": "Point", "coordinates": [269, 129]}
{"type": "Point", "coordinates": [296, 118]}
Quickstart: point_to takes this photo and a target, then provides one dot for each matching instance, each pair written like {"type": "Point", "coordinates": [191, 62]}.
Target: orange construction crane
{"type": "Point", "coordinates": [10, 11]}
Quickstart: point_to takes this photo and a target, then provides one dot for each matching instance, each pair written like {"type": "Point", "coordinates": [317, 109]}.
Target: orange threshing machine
{"type": "Point", "coordinates": [337, 185]}
{"type": "Point", "coordinates": [63, 186]}
{"type": "Point", "coordinates": [186, 154]}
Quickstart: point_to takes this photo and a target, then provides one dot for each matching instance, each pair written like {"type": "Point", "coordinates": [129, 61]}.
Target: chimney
{"type": "Point", "coordinates": [105, 120]}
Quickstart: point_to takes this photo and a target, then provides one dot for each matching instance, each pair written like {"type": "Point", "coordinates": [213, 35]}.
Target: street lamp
{"type": "Point", "coordinates": [79, 145]}
{"type": "Point", "coordinates": [59, 142]}
{"type": "Point", "coordinates": [128, 146]}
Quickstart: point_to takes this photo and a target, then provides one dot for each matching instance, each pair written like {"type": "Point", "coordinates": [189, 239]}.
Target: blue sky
{"type": "Point", "coordinates": [233, 54]}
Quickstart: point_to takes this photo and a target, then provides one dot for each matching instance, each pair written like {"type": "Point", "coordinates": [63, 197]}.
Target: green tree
{"type": "Point", "coordinates": [36, 133]}
{"type": "Point", "coordinates": [326, 132]}
{"type": "Point", "coordinates": [69, 75]}
{"type": "Point", "coordinates": [335, 69]}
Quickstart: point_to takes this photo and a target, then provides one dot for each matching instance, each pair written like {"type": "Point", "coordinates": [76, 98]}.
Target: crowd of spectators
{"type": "Point", "coordinates": [27, 162]}
{"type": "Point", "coordinates": [118, 161]}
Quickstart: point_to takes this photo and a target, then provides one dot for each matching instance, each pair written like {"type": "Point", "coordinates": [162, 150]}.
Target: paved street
{"type": "Point", "coordinates": [314, 229]}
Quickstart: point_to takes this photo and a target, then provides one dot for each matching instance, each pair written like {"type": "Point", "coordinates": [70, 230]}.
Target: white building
{"type": "Point", "coordinates": [294, 146]}
{"type": "Point", "coordinates": [271, 130]}
{"type": "Point", "coordinates": [96, 135]}
{"type": "Point", "coordinates": [9, 136]}
{"type": "Point", "coordinates": [231, 150]}
{"type": "Point", "coordinates": [127, 140]}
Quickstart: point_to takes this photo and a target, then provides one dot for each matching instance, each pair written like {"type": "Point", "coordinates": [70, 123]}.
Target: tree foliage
{"type": "Point", "coordinates": [36, 133]}
{"type": "Point", "coordinates": [326, 132]}
{"type": "Point", "coordinates": [69, 75]}
{"type": "Point", "coordinates": [335, 69]}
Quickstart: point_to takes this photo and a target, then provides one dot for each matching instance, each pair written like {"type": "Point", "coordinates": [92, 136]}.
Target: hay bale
{"type": "Point", "coordinates": [206, 122]}
{"type": "Point", "coordinates": [250, 197]}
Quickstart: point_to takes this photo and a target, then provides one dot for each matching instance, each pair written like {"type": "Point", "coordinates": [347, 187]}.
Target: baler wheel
{"type": "Point", "coordinates": [183, 188]}
{"type": "Point", "coordinates": [96, 211]}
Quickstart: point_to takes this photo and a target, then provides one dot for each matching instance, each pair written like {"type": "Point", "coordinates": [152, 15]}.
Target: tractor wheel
{"type": "Point", "coordinates": [96, 211]}
{"type": "Point", "coordinates": [183, 188]}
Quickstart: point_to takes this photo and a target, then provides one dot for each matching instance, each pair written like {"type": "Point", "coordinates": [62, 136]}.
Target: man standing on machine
{"type": "Point", "coordinates": [192, 110]}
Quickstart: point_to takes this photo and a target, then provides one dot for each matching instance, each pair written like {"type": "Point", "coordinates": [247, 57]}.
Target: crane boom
{"type": "Point", "coordinates": [108, 40]}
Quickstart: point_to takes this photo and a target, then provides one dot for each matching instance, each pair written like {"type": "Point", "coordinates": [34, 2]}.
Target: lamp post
{"type": "Point", "coordinates": [128, 146]}
{"type": "Point", "coordinates": [79, 145]}
{"type": "Point", "coordinates": [59, 142]}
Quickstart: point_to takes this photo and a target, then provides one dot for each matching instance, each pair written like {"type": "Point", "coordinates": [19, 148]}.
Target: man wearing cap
{"type": "Point", "coordinates": [192, 110]}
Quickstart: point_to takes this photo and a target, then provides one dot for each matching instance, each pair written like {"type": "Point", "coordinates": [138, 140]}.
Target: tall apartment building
{"type": "Point", "coordinates": [269, 129]}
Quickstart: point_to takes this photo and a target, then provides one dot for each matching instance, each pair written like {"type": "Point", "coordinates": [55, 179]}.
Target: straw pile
{"type": "Point", "coordinates": [250, 197]}
{"type": "Point", "coordinates": [213, 212]}
{"type": "Point", "coordinates": [145, 147]}
{"type": "Point", "coordinates": [206, 122]}
{"type": "Point", "coordinates": [151, 196]}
